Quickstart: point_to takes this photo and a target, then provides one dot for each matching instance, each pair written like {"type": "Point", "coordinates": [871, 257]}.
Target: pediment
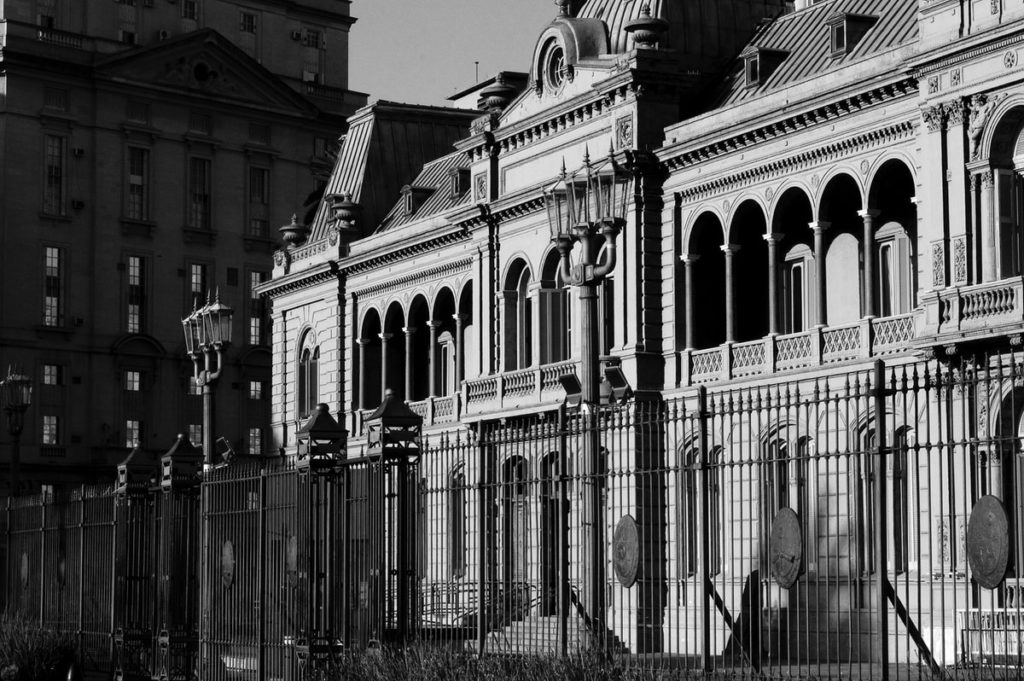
{"type": "Point", "coordinates": [205, 63]}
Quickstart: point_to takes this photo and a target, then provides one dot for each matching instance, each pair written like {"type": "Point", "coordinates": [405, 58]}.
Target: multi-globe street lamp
{"type": "Point", "coordinates": [15, 398]}
{"type": "Point", "coordinates": [589, 207]}
{"type": "Point", "coordinates": [207, 334]}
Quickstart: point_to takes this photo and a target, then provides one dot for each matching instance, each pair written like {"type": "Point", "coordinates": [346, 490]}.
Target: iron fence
{"type": "Point", "coordinates": [857, 524]}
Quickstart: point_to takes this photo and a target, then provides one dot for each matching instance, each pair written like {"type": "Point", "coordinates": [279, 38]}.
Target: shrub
{"type": "Point", "coordinates": [30, 653]}
{"type": "Point", "coordinates": [421, 663]}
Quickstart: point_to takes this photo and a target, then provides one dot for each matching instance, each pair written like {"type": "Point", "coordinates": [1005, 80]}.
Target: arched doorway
{"type": "Point", "coordinates": [705, 280]}
{"type": "Point", "coordinates": [370, 361]}
{"type": "Point", "coordinates": [750, 271]}
{"type": "Point", "coordinates": [893, 217]}
{"type": "Point", "coordinates": [791, 246]}
{"type": "Point", "coordinates": [840, 207]}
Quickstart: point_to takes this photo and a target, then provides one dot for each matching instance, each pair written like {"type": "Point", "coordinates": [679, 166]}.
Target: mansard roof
{"type": "Point", "coordinates": [436, 178]}
{"type": "Point", "coordinates": [385, 148]}
{"type": "Point", "coordinates": [805, 37]}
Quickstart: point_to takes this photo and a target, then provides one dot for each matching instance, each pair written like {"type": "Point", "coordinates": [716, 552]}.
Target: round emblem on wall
{"type": "Point", "coordinates": [865, 167]}
{"type": "Point", "coordinates": [769, 193]}
{"type": "Point", "coordinates": [786, 548]}
{"type": "Point", "coordinates": [988, 542]}
{"type": "Point", "coordinates": [626, 551]}
{"type": "Point", "coordinates": [227, 564]}
{"type": "Point", "coordinates": [1010, 59]}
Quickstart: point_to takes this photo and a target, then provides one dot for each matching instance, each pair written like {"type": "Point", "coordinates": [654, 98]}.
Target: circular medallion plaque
{"type": "Point", "coordinates": [786, 548]}
{"type": "Point", "coordinates": [626, 551]}
{"type": "Point", "coordinates": [988, 542]}
{"type": "Point", "coordinates": [227, 564]}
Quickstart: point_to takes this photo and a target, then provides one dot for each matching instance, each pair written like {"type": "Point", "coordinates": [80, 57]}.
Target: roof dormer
{"type": "Point", "coordinates": [414, 197]}
{"type": "Point", "coordinates": [846, 30]}
{"type": "Point", "coordinates": [759, 63]}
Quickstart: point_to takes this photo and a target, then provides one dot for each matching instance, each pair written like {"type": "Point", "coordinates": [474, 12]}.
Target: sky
{"type": "Point", "coordinates": [422, 51]}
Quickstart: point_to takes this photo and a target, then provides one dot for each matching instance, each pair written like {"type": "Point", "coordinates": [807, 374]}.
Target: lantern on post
{"type": "Point", "coordinates": [15, 398]}
{"type": "Point", "coordinates": [393, 445]}
{"type": "Point", "coordinates": [321, 441]}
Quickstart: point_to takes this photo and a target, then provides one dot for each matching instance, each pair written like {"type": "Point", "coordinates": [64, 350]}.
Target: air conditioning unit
{"type": "Point", "coordinates": [296, 35]}
{"type": "Point", "coordinates": [78, 152]}
{"type": "Point", "coordinates": [163, 34]}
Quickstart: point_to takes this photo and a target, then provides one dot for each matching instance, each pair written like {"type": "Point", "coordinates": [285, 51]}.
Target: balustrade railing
{"type": "Point", "coordinates": [980, 307]}
{"type": "Point", "coordinates": [817, 347]}
{"type": "Point", "coordinates": [537, 385]}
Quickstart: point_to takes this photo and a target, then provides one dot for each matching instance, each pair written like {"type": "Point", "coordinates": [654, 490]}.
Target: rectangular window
{"type": "Point", "coordinates": [137, 112]}
{"type": "Point", "coordinates": [136, 294]}
{"type": "Point", "coordinates": [137, 207]}
{"type": "Point", "coordinates": [255, 308]}
{"type": "Point", "coordinates": [133, 381]}
{"type": "Point", "coordinates": [53, 286]}
{"type": "Point", "coordinates": [193, 386]}
{"type": "Point", "coordinates": [247, 23]}
{"type": "Point", "coordinates": [55, 98]}
{"type": "Point", "coordinates": [199, 193]}
{"type": "Point", "coordinates": [51, 430]}
{"type": "Point", "coordinates": [255, 441]}
{"type": "Point", "coordinates": [197, 284]}
{"type": "Point", "coordinates": [259, 201]}
{"type": "Point", "coordinates": [53, 189]}
{"type": "Point", "coordinates": [53, 374]}
{"type": "Point", "coordinates": [195, 433]}
{"type": "Point", "coordinates": [132, 432]}
{"type": "Point", "coordinates": [190, 9]}
{"type": "Point", "coordinates": [255, 390]}
{"type": "Point", "coordinates": [312, 38]}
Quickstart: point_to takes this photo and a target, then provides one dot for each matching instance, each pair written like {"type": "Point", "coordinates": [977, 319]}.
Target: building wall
{"type": "Point", "coordinates": [101, 107]}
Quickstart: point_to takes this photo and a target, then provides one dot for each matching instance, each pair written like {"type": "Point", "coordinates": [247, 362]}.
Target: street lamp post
{"type": "Point", "coordinates": [588, 204]}
{"type": "Point", "coordinates": [207, 334]}
{"type": "Point", "coordinates": [15, 398]}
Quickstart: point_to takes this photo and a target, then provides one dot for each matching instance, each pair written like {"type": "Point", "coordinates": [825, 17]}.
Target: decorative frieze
{"type": "Point", "coordinates": [785, 167]}
{"type": "Point", "coordinates": [938, 264]}
{"type": "Point", "coordinates": [959, 245]}
{"type": "Point", "coordinates": [981, 107]}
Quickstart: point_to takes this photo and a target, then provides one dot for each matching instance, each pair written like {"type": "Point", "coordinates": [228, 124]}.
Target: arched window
{"type": "Point", "coordinates": [900, 494]}
{"type": "Point", "coordinates": [308, 388]}
{"type": "Point", "coordinates": [688, 511]}
{"type": "Point", "coordinates": [457, 522]}
{"type": "Point", "coordinates": [518, 318]}
{"type": "Point", "coordinates": [894, 271]}
{"type": "Point", "coordinates": [797, 278]}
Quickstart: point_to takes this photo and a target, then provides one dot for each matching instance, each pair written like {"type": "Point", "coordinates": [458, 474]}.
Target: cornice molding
{"type": "Point", "coordinates": [680, 158]}
{"type": "Point", "coordinates": [419, 277]}
{"type": "Point", "coordinates": [971, 54]}
{"type": "Point", "coordinates": [803, 161]}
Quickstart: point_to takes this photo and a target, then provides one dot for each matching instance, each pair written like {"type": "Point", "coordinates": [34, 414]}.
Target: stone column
{"type": "Point", "coordinates": [773, 282]}
{"type": "Point", "coordinates": [384, 378]}
{"type": "Point", "coordinates": [989, 227]}
{"type": "Point", "coordinates": [362, 343]}
{"type": "Point", "coordinates": [432, 376]}
{"type": "Point", "coordinates": [730, 307]}
{"type": "Point", "coordinates": [867, 254]}
{"type": "Point", "coordinates": [410, 331]}
{"type": "Point", "coordinates": [821, 303]}
{"type": "Point", "coordinates": [460, 348]}
{"type": "Point", "coordinates": [688, 263]}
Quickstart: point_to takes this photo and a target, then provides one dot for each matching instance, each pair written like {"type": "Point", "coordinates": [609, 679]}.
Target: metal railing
{"type": "Point", "coordinates": [813, 527]}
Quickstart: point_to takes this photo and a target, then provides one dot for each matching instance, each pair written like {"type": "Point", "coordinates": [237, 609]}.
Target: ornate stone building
{"type": "Point", "coordinates": [817, 188]}
{"type": "Point", "coordinates": [151, 149]}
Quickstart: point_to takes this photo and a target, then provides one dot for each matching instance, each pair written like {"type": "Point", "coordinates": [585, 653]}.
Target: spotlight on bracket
{"type": "Point", "coordinates": [573, 390]}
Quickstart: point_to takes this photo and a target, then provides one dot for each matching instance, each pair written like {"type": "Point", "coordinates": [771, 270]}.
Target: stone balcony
{"type": "Point", "coordinates": [965, 313]}
{"type": "Point", "coordinates": [817, 347]}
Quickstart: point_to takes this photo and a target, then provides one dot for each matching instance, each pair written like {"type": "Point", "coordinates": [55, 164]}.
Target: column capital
{"type": "Point", "coordinates": [819, 225]}
{"type": "Point", "coordinates": [729, 249]}
{"type": "Point", "coordinates": [772, 238]}
{"type": "Point", "coordinates": [460, 317]}
{"type": "Point", "coordinates": [362, 342]}
{"type": "Point", "coordinates": [434, 324]}
{"type": "Point", "coordinates": [688, 259]}
{"type": "Point", "coordinates": [386, 336]}
{"type": "Point", "coordinates": [869, 213]}
{"type": "Point", "coordinates": [409, 330]}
